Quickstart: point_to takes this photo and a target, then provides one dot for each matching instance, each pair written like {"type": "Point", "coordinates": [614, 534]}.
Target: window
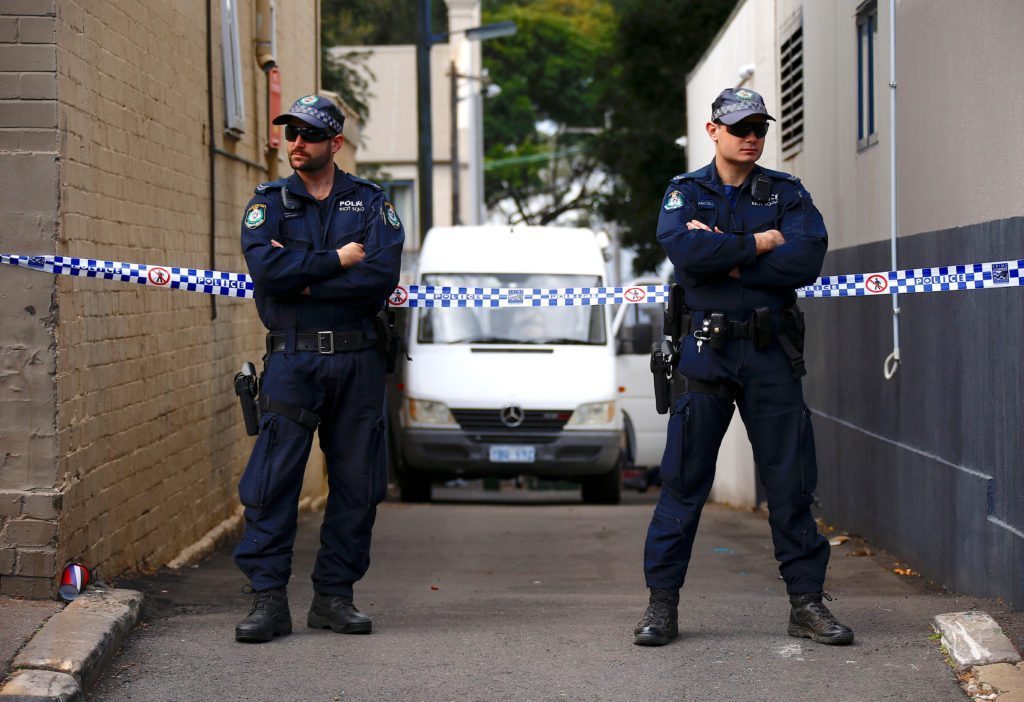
{"type": "Point", "coordinates": [867, 39]}
{"type": "Point", "coordinates": [234, 93]}
{"type": "Point", "coordinates": [791, 84]}
{"type": "Point", "coordinates": [403, 197]}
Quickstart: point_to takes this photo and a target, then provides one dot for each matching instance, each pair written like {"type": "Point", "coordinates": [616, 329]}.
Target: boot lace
{"type": "Point", "coordinates": [658, 615]}
{"type": "Point", "coordinates": [260, 599]}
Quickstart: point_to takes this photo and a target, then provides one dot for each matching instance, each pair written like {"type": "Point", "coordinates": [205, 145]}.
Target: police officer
{"type": "Point", "coordinates": [742, 238]}
{"type": "Point", "coordinates": [324, 250]}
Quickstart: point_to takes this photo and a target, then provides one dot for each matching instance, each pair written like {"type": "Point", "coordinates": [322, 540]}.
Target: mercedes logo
{"type": "Point", "coordinates": [512, 416]}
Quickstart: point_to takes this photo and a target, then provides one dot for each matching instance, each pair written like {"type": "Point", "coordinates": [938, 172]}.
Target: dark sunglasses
{"type": "Point", "coordinates": [742, 130]}
{"type": "Point", "coordinates": [311, 135]}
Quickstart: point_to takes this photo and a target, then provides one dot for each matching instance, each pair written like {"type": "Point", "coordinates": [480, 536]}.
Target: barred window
{"type": "Point", "coordinates": [791, 85]}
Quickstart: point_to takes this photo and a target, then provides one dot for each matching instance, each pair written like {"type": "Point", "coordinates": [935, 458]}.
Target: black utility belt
{"type": "Point", "coordinates": [717, 328]}
{"type": "Point", "coordinates": [324, 343]}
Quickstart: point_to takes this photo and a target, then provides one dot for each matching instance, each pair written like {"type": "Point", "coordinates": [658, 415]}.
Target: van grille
{"type": "Point", "coordinates": [490, 420]}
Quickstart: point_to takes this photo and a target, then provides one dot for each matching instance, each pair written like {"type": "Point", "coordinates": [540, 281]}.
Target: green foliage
{"type": "Point", "coordinates": [657, 42]}
{"type": "Point", "coordinates": [348, 75]}
{"type": "Point", "coordinates": [546, 72]}
{"type": "Point", "coordinates": [375, 22]}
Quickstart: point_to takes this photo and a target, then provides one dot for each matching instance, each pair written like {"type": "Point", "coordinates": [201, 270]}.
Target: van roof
{"type": "Point", "coordinates": [511, 249]}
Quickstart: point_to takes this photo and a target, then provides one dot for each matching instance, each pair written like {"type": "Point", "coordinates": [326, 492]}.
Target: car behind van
{"type": "Point", "coordinates": [511, 391]}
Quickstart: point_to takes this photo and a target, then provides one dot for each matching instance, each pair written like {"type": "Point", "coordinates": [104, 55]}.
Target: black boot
{"type": "Point", "coordinates": [268, 617]}
{"type": "Point", "coordinates": [336, 612]}
{"type": "Point", "coordinates": [810, 619]}
{"type": "Point", "coordinates": [661, 620]}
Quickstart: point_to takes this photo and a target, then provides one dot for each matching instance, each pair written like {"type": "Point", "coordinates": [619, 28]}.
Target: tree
{"type": "Point", "coordinates": [657, 42]}
{"type": "Point", "coordinates": [539, 131]}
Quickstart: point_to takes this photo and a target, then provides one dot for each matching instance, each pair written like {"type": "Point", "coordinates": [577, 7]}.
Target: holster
{"type": "Point", "coordinates": [389, 340]}
{"type": "Point", "coordinates": [661, 367]}
{"type": "Point", "coordinates": [791, 339]}
{"type": "Point", "coordinates": [247, 387]}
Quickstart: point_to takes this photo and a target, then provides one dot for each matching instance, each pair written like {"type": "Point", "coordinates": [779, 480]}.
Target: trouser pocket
{"type": "Point", "coordinates": [806, 455]}
{"type": "Point", "coordinates": [673, 470]}
{"type": "Point", "coordinates": [255, 481]}
{"type": "Point", "coordinates": [378, 466]}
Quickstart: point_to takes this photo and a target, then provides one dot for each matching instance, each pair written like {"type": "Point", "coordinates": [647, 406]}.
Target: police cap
{"type": "Point", "coordinates": [734, 104]}
{"type": "Point", "coordinates": [316, 111]}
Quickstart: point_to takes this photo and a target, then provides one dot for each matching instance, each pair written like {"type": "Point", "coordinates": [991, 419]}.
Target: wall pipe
{"type": "Point", "coordinates": [212, 154]}
{"type": "Point", "coordinates": [892, 361]}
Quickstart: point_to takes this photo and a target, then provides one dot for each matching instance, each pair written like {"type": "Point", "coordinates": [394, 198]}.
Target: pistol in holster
{"type": "Point", "coordinates": [247, 388]}
{"type": "Point", "coordinates": [389, 339]}
{"type": "Point", "coordinates": [664, 353]}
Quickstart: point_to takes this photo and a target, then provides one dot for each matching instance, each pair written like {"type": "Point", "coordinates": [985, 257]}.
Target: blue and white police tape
{"type": "Point", "coordinates": [976, 276]}
{"type": "Point", "coordinates": [168, 277]}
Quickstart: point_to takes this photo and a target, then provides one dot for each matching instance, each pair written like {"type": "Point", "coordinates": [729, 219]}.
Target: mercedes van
{"type": "Point", "coordinates": [510, 391]}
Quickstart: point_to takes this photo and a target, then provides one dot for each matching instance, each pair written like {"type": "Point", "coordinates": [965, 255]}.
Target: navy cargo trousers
{"type": "Point", "coordinates": [346, 390]}
{"type": "Point", "coordinates": [778, 424]}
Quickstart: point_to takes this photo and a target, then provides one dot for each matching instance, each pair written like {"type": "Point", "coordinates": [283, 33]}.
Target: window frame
{"type": "Point", "coordinates": [231, 54]}
{"type": "Point", "coordinates": [867, 65]}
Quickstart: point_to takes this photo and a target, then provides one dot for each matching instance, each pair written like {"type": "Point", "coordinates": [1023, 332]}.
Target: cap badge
{"type": "Point", "coordinates": [744, 94]}
{"type": "Point", "coordinates": [308, 100]}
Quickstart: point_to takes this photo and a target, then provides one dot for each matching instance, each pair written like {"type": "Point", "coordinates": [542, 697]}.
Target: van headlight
{"type": "Point", "coordinates": [593, 413]}
{"type": "Point", "coordinates": [427, 412]}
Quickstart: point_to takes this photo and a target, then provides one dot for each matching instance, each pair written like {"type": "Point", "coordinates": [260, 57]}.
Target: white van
{"type": "Point", "coordinates": [504, 392]}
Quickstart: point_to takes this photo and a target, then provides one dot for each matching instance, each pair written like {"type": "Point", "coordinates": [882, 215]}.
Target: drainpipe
{"type": "Point", "coordinates": [892, 362]}
{"type": "Point", "coordinates": [212, 196]}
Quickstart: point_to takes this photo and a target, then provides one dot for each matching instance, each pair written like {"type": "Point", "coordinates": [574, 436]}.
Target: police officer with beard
{"type": "Point", "coordinates": [742, 239]}
{"type": "Point", "coordinates": [324, 251]}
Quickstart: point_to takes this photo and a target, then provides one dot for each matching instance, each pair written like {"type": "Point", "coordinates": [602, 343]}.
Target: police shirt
{"type": "Point", "coordinates": [703, 259]}
{"type": "Point", "coordinates": [356, 210]}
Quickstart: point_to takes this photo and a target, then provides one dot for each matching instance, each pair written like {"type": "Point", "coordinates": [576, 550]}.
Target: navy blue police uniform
{"type": "Point", "coordinates": [324, 371]}
{"type": "Point", "coordinates": [761, 377]}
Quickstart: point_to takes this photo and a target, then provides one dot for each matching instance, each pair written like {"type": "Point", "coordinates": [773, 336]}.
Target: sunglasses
{"type": "Point", "coordinates": [742, 130]}
{"type": "Point", "coordinates": [310, 135]}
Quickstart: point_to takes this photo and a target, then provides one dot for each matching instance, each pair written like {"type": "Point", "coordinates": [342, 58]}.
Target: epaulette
{"type": "Point", "coordinates": [270, 185]}
{"type": "Point", "coordinates": [684, 176]}
{"type": "Point", "coordinates": [363, 181]}
{"type": "Point", "coordinates": [779, 175]}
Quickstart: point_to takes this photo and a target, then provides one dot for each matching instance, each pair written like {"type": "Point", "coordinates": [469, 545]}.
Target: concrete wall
{"type": "Point", "coordinates": [117, 413]}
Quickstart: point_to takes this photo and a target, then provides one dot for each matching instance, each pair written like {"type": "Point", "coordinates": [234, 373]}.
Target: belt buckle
{"type": "Point", "coordinates": [325, 342]}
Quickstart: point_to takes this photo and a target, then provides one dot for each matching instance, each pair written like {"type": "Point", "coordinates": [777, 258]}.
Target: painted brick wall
{"type": "Point", "coordinates": [29, 173]}
{"type": "Point", "coordinates": [122, 437]}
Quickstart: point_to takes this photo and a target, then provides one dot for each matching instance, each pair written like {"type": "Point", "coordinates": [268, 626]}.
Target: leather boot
{"type": "Point", "coordinates": [810, 619]}
{"type": "Point", "coordinates": [661, 620]}
{"type": "Point", "coordinates": [336, 612]}
{"type": "Point", "coordinates": [268, 617]}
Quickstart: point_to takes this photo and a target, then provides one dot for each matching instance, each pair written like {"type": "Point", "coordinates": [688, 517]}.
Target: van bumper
{"type": "Point", "coordinates": [568, 454]}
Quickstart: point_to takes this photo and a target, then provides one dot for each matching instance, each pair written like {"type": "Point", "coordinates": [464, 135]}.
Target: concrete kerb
{"type": "Point", "coordinates": [70, 652]}
{"type": "Point", "coordinates": [974, 638]}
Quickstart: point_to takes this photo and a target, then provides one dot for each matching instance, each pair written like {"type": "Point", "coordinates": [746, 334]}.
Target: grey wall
{"type": "Point", "coordinates": [928, 464]}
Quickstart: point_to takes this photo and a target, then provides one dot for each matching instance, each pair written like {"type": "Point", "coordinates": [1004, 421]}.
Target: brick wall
{"type": "Point", "coordinates": [29, 173]}
{"type": "Point", "coordinates": [140, 442]}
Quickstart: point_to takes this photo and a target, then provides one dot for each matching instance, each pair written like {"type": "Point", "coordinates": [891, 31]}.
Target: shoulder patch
{"type": "Point", "coordinates": [256, 215]}
{"type": "Point", "coordinates": [388, 213]}
{"type": "Point", "coordinates": [674, 200]}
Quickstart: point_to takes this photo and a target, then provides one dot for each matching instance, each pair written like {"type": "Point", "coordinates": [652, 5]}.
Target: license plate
{"type": "Point", "coordinates": [513, 454]}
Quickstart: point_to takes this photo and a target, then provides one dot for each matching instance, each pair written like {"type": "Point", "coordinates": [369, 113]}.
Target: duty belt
{"type": "Point", "coordinates": [324, 343]}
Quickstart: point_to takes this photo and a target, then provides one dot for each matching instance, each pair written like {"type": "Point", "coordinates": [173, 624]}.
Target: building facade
{"type": "Point", "coordinates": [926, 464]}
{"type": "Point", "coordinates": [130, 130]}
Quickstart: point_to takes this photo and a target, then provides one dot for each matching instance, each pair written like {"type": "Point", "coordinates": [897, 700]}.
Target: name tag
{"type": "Point", "coordinates": [706, 205]}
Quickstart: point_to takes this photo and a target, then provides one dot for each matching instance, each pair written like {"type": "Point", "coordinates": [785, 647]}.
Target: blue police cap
{"type": "Point", "coordinates": [734, 104]}
{"type": "Point", "coordinates": [316, 111]}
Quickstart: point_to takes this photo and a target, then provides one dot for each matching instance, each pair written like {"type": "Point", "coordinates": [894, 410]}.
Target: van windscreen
{"type": "Point", "coordinates": [512, 325]}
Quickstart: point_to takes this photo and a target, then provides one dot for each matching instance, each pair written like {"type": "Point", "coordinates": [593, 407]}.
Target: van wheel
{"type": "Point", "coordinates": [604, 489]}
{"type": "Point", "coordinates": [413, 486]}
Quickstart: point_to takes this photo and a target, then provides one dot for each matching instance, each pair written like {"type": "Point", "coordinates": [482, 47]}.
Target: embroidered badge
{"type": "Point", "coordinates": [256, 216]}
{"type": "Point", "coordinates": [308, 101]}
{"type": "Point", "coordinates": [390, 215]}
{"type": "Point", "coordinates": [674, 201]}
{"type": "Point", "coordinates": [744, 94]}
